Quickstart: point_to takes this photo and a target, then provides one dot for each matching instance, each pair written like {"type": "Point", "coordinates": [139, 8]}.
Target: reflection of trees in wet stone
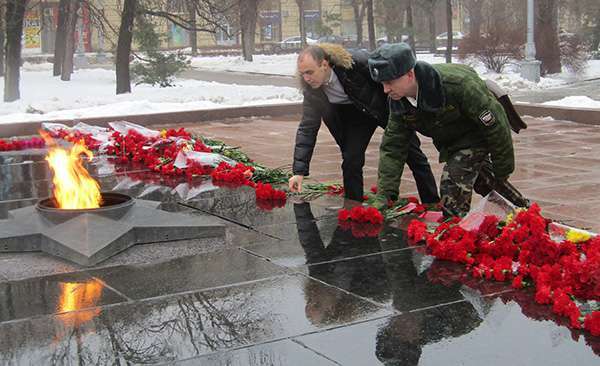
{"type": "Point", "coordinates": [189, 325]}
{"type": "Point", "coordinates": [206, 325]}
{"type": "Point", "coordinates": [141, 333]}
{"type": "Point", "coordinates": [233, 203]}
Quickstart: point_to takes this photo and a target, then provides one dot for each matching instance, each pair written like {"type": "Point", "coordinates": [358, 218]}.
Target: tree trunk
{"type": "Point", "coordinates": [475, 10]}
{"type": "Point", "coordinates": [432, 33]}
{"type": "Point", "coordinates": [449, 31]}
{"type": "Point", "coordinates": [358, 20]}
{"type": "Point", "coordinates": [546, 36]}
{"type": "Point", "coordinates": [248, 16]}
{"type": "Point", "coordinates": [2, 37]}
{"type": "Point", "coordinates": [67, 62]}
{"type": "Point", "coordinates": [410, 25]}
{"type": "Point", "coordinates": [371, 25]}
{"type": "Point", "coordinates": [61, 37]}
{"type": "Point", "coordinates": [124, 47]}
{"type": "Point", "coordinates": [301, 23]}
{"type": "Point", "coordinates": [193, 34]}
{"type": "Point", "coordinates": [15, 12]}
{"type": "Point", "coordinates": [596, 32]}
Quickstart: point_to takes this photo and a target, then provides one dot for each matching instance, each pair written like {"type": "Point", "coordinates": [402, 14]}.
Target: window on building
{"type": "Point", "coordinates": [312, 17]}
{"type": "Point", "coordinates": [225, 36]}
{"type": "Point", "coordinates": [269, 19]}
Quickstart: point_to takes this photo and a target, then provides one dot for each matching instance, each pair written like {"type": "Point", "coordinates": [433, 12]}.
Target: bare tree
{"type": "Point", "coordinates": [392, 12]}
{"type": "Point", "coordinates": [61, 37]}
{"type": "Point", "coordinates": [428, 7]}
{"type": "Point", "coordinates": [596, 27]}
{"type": "Point", "coordinates": [475, 10]}
{"type": "Point", "coordinates": [371, 25]}
{"type": "Point", "coordinates": [209, 15]}
{"type": "Point", "coordinates": [358, 8]}
{"type": "Point", "coordinates": [449, 31]}
{"type": "Point", "coordinates": [193, 35]}
{"type": "Point", "coordinates": [546, 36]}
{"type": "Point", "coordinates": [2, 35]}
{"type": "Point", "coordinates": [301, 23]}
{"type": "Point", "coordinates": [71, 23]}
{"type": "Point", "coordinates": [248, 17]}
{"type": "Point", "coordinates": [124, 46]}
{"type": "Point", "coordinates": [410, 24]}
{"type": "Point", "coordinates": [15, 12]}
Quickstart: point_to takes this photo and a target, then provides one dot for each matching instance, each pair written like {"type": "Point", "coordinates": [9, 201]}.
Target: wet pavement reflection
{"type": "Point", "coordinates": [187, 325]}
{"type": "Point", "coordinates": [52, 295]}
{"type": "Point", "coordinates": [288, 286]}
{"type": "Point", "coordinates": [492, 332]}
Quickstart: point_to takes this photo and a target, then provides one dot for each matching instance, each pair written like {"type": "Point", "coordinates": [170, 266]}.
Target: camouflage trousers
{"type": "Point", "coordinates": [470, 169]}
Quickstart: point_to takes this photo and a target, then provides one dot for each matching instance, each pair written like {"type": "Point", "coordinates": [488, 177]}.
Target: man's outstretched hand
{"type": "Point", "coordinates": [295, 183]}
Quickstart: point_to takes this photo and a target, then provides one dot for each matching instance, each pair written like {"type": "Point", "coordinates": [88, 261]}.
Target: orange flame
{"type": "Point", "coordinates": [79, 295]}
{"type": "Point", "coordinates": [74, 188]}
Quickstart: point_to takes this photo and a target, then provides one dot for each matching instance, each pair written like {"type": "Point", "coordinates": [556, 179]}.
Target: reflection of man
{"type": "Point", "coordinates": [338, 90]}
{"type": "Point", "coordinates": [401, 340]}
{"type": "Point", "coordinates": [324, 305]}
{"type": "Point", "coordinates": [391, 276]}
{"type": "Point", "coordinates": [453, 106]}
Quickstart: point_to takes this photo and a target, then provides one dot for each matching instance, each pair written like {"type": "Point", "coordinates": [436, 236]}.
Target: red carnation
{"type": "Point", "coordinates": [592, 323]}
{"type": "Point", "coordinates": [417, 231]}
{"type": "Point", "coordinates": [543, 295]}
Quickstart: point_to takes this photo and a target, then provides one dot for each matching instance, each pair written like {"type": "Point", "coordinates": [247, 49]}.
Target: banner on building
{"type": "Point", "coordinates": [32, 29]}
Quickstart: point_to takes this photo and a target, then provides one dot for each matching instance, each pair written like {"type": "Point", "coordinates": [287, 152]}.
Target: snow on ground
{"type": "Point", "coordinates": [285, 65]}
{"type": "Point", "coordinates": [91, 93]}
{"type": "Point", "coordinates": [264, 64]}
{"type": "Point", "coordinates": [575, 101]}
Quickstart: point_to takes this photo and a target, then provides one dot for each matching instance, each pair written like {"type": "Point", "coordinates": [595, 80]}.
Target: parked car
{"type": "Point", "coordinates": [292, 43]}
{"type": "Point", "coordinates": [384, 40]}
{"type": "Point", "coordinates": [330, 39]}
{"type": "Point", "coordinates": [456, 36]}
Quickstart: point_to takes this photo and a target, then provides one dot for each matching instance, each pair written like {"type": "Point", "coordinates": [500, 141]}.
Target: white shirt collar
{"type": "Point", "coordinates": [412, 100]}
{"type": "Point", "coordinates": [331, 76]}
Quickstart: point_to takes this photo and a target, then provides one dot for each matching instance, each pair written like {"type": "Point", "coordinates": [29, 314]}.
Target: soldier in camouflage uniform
{"type": "Point", "coordinates": [453, 106]}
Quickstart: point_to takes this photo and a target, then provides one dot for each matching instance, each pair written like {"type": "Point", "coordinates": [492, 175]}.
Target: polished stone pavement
{"type": "Point", "coordinates": [287, 286]}
{"type": "Point", "coordinates": [557, 162]}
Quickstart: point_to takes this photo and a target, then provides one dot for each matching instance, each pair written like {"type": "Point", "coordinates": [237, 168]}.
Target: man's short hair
{"type": "Point", "coordinates": [317, 53]}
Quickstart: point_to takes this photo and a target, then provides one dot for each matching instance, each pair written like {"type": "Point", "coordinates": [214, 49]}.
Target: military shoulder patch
{"type": "Point", "coordinates": [487, 118]}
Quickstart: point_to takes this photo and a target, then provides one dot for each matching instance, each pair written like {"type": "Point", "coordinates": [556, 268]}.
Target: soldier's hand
{"type": "Point", "coordinates": [295, 183]}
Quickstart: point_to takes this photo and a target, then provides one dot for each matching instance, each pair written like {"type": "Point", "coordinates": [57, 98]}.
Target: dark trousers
{"type": "Point", "coordinates": [353, 135]}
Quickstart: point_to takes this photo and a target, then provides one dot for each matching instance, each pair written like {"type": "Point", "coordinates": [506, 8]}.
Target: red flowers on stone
{"type": "Point", "coordinates": [233, 176]}
{"type": "Point", "coordinates": [522, 252]}
{"type": "Point", "coordinates": [159, 153]}
{"type": "Point", "coordinates": [268, 198]}
{"type": "Point", "coordinates": [363, 221]}
{"type": "Point", "coordinates": [22, 144]}
{"type": "Point", "coordinates": [361, 214]}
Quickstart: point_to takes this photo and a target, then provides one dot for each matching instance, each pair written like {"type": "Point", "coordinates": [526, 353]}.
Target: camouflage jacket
{"type": "Point", "coordinates": [454, 108]}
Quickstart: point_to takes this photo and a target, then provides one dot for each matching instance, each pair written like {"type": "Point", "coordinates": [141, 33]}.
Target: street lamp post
{"type": "Point", "coordinates": [530, 68]}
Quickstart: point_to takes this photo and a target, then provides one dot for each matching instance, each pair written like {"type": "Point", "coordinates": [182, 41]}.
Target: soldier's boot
{"type": "Point", "coordinates": [486, 182]}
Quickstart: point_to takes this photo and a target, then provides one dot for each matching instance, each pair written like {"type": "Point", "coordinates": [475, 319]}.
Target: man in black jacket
{"type": "Point", "coordinates": [338, 89]}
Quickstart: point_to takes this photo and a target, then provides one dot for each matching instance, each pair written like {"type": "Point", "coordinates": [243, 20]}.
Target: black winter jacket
{"type": "Point", "coordinates": [365, 94]}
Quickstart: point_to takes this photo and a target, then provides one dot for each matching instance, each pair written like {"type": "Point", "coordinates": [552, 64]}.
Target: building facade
{"type": "Point", "coordinates": [277, 20]}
